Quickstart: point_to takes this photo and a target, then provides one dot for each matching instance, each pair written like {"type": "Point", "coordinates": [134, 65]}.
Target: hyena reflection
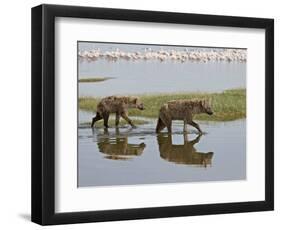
{"type": "Point", "coordinates": [118, 147]}
{"type": "Point", "coordinates": [181, 110]}
{"type": "Point", "coordinates": [183, 154]}
{"type": "Point", "coordinates": [118, 105]}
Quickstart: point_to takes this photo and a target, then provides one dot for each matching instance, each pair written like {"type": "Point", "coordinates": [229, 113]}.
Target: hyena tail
{"type": "Point", "coordinates": [160, 125]}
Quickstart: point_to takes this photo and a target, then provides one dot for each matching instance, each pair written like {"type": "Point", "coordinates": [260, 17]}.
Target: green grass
{"type": "Point", "coordinates": [227, 106]}
{"type": "Point", "coordinates": [111, 123]}
{"type": "Point", "coordinates": [94, 79]}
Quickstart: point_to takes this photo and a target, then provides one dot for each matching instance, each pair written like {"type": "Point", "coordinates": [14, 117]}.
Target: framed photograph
{"type": "Point", "coordinates": [142, 114]}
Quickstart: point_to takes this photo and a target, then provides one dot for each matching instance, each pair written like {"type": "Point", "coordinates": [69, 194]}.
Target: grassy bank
{"type": "Point", "coordinates": [111, 123]}
{"type": "Point", "coordinates": [93, 79]}
{"type": "Point", "coordinates": [228, 105]}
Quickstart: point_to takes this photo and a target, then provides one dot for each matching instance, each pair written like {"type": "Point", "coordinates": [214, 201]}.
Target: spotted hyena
{"type": "Point", "coordinates": [118, 105]}
{"type": "Point", "coordinates": [181, 110]}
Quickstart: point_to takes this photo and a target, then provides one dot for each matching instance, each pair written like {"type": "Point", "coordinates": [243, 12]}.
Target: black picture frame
{"type": "Point", "coordinates": [43, 114]}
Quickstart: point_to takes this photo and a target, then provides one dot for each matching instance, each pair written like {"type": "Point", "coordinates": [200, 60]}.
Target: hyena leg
{"type": "Point", "coordinates": [96, 118]}
{"type": "Point", "coordinates": [105, 131]}
{"type": "Point", "coordinates": [185, 137]}
{"type": "Point", "coordinates": [195, 125]}
{"type": "Point", "coordinates": [117, 119]}
{"type": "Point", "coordinates": [105, 119]}
{"type": "Point", "coordinates": [184, 126]}
{"type": "Point", "coordinates": [169, 126]}
{"type": "Point", "coordinates": [196, 140]}
{"type": "Point", "coordinates": [117, 131]}
{"type": "Point", "coordinates": [160, 125]}
{"type": "Point", "coordinates": [167, 121]}
{"type": "Point", "coordinates": [125, 116]}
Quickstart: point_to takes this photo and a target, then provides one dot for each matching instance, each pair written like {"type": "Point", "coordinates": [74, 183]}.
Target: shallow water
{"type": "Point", "coordinates": [138, 156]}
{"type": "Point", "coordinates": [138, 77]}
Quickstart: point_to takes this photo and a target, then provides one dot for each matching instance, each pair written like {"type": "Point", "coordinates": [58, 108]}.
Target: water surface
{"type": "Point", "coordinates": [154, 76]}
{"type": "Point", "coordinates": [141, 77]}
{"type": "Point", "coordinates": [128, 156]}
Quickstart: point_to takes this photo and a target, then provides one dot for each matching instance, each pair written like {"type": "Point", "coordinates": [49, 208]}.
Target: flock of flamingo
{"type": "Point", "coordinates": [228, 55]}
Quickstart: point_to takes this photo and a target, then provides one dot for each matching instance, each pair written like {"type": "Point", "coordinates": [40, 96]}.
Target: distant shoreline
{"type": "Point", "coordinates": [93, 79]}
{"type": "Point", "coordinates": [224, 55]}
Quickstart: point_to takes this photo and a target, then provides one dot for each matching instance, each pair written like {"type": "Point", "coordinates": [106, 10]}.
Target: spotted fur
{"type": "Point", "coordinates": [118, 105]}
{"type": "Point", "coordinates": [181, 110]}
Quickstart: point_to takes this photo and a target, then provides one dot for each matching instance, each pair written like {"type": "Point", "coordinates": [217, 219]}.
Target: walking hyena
{"type": "Point", "coordinates": [118, 105]}
{"type": "Point", "coordinates": [181, 110]}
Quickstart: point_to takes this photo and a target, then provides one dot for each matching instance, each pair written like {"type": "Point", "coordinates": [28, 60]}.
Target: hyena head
{"type": "Point", "coordinates": [206, 108]}
{"type": "Point", "coordinates": [136, 103]}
